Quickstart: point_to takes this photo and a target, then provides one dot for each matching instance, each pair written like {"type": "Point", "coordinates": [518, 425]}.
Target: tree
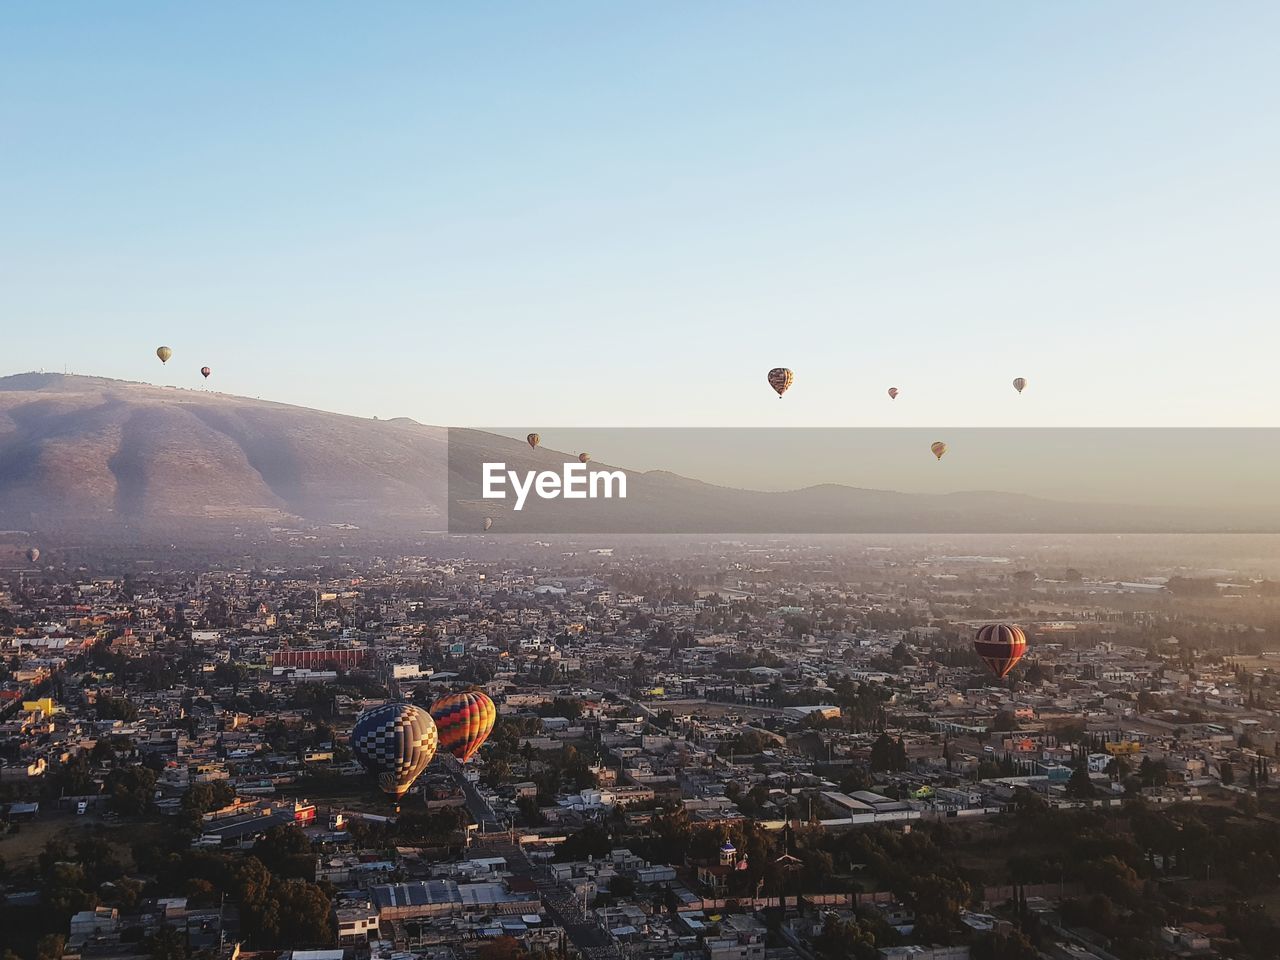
{"type": "Point", "coordinates": [203, 797]}
{"type": "Point", "coordinates": [130, 789]}
{"type": "Point", "coordinates": [529, 811]}
{"type": "Point", "coordinates": [1114, 879]}
{"type": "Point", "coordinates": [591, 841]}
{"type": "Point", "coordinates": [1153, 773]}
{"type": "Point", "coordinates": [286, 851]}
{"type": "Point", "coordinates": [50, 946]}
{"type": "Point", "coordinates": [294, 913]}
{"type": "Point", "coordinates": [937, 901]}
{"type": "Point", "coordinates": [1011, 946]}
{"type": "Point", "coordinates": [1080, 786]}
{"type": "Point", "coordinates": [888, 754]}
{"type": "Point", "coordinates": [167, 943]}
{"type": "Point", "coordinates": [116, 708]}
{"type": "Point", "coordinates": [201, 893]}
{"type": "Point", "coordinates": [1004, 722]}
{"type": "Point", "coordinates": [846, 940]}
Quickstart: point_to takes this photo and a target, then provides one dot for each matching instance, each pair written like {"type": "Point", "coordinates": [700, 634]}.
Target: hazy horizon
{"type": "Point", "coordinates": [1231, 473]}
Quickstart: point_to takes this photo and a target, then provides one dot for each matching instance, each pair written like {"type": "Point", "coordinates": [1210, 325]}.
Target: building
{"type": "Point", "coordinates": [356, 923]}
{"type": "Point", "coordinates": [447, 898]}
{"type": "Point", "coordinates": [824, 711]}
{"type": "Point", "coordinates": [348, 658]}
{"type": "Point", "coordinates": [741, 937]}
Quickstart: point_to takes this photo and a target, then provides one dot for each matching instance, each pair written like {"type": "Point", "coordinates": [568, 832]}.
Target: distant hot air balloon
{"type": "Point", "coordinates": [534, 440]}
{"type": "Point", "coordinates": [464, 722]}
{"type": "Point", "coordinates": [780, 378]}
{"type": "Point", "coordinates": [584, 457]}
{"type": "Point", "coordinates": [164, 353]}
{"type": "Point", "coordinates": [33, 554]}
{"type": "Point", "coordinates": [938, 448]}
{"type": "Point", "coordinates": [1019, 383]}
{"type": "Point", "coordinates": [893, 393]}
{"type": "Point", "coordinates": [204, 372]}
{"type": "Point", "coordinates": [488, 522]}
{"type": "Point", "coordinates": [395, 742]}
{"type": "Point", "coordinates": [1001, 646]}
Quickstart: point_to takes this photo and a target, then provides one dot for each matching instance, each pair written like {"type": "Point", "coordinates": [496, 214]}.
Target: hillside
{"type": "Point", "coordinates": [87, 457]}
{"type": "Point", "coordinates": [82, 453]}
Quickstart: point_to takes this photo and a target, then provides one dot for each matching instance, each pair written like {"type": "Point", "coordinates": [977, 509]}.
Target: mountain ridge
{"type": "Point", "coordinates": [93, 456]}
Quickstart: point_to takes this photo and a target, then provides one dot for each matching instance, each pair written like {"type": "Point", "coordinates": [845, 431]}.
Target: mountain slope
{"type": "Point", "coordinates": [80, 452]}
{"type": "Point", "coordinates": [89, 457]}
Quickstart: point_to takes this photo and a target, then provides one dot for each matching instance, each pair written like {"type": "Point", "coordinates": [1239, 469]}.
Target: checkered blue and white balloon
{"type": "Point", "coordinates": [395, 742]}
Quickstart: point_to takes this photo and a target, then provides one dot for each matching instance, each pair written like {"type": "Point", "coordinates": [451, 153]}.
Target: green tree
{"type": "Point", "coordinates": [286, 852]}
{"type": "Point", "coordinates": [294, 913]}
{"type": "Point", "coordinates": [167, 943]}
{"type": "Point", "coordinates": [130, 789]}
{"type": "Point", "coordinates": [888, 754]}
{"type": "Point", "coordinates": [845, 940]}
{"type": "Point", "coordinates": [1080, 786]}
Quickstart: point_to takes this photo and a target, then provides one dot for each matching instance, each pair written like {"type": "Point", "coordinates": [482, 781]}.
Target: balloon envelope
{"type": "Point", "coordinates": [534, 440]}
{"type": "Point", "coordinates": [780, 378]}
{"type": "Point", "coordinates": [893, 393]}
{"type": "Point", "coordinates": [394, 742]}
{"type": "Point", "coordinates": [1001, 646]}
{"type": "Point", "coordinates": [938, 448]}
{"type": "Point", "coordinates": [584, 457]}
{"type": "Point", "coordinates": [464, 721]}
{"type": "Point", "coordinates": [488, 522]}
{"type": "Point", "coordinates": [164, 353]}
{"type": "Point", "coordinates": [33, 554]}
{"type": "Point", "coordinates": [1020, 383]}
{"type": "Point", "coordinates": [204, 372]}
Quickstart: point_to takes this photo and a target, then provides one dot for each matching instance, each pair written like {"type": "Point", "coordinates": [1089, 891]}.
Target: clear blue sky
{"type": "Point", "coordinates": [625, 214]}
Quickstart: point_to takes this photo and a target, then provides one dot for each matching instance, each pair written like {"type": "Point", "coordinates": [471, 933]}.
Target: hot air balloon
{"type": "Point", "coordinates": [893, 393]}
{"type": "Point", "coordinates": [780, 378]}
{"type": "Point", "coordinates": [938, 448]}
{"type": "Point", "coordinates": [1019, 383]}
{"type": "Point", "coordinates": [584, 457]}
{"type": "Point", "coordinates": [1001, 646]}
{"type": "Point", "coordinates": [33, 554]}
{"type": "Point", "coordinates": [164, 353]}
{"type": "Point", "coordinates": [464, 721]}
{"type": "Point", "coordinates": [204, 372]}
{"type": "Point", "coordinates": [488, 522]}
{"type": "Point", "coordinates": [534, 440]}
{"type": "Point", "coordinates": [394, 742]}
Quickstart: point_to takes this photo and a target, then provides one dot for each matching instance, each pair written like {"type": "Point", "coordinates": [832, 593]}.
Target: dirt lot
{"type": "Point", "coordinates": [21, 849]}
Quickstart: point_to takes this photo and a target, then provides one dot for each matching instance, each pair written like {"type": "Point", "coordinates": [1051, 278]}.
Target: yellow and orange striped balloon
{"type": "Point", "coordinates": [463, 722]}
